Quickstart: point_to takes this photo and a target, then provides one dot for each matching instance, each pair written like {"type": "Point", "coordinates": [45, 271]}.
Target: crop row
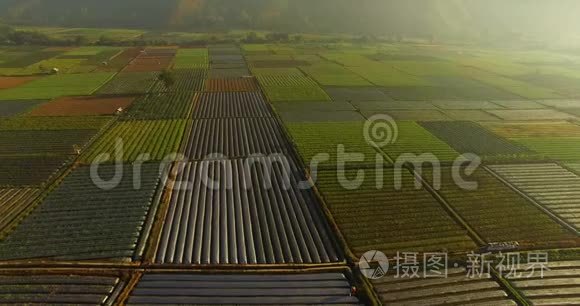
{"type": "Point", "coordinates": [28, 170]}
{"type": "Point", "coordinates": [454, 286]}
{"type": "Point", "coordinates": [555, 284]}
{"type": "Point", "coordinates": [13, 108]}
{"type": "Point", "coordinates": [235, 138]}
{"type": "Point", "coordinates": [374, 214]}
{"type": "Point", "coordinates": [231, 85]}
{"type": "Point", "coordinates": [156, 138]}
{"type": "Point", "coordinates": [13, 201]}
{"type": "Point", "coordinates": [43, 142]}
{"type": "Point", "coordinates": [265, 289]}
{"type": "Point", "coordinates": [230, 105]}
{"type": "Point", "coordinates": [519, 220]}
{"type": "Point", "coordinates": [58, 289]}
{"type": "Point", "coordinates": [81, 220]}
{"type": "Point", "coordinates": [469, 137]}
{"type": "Point", "coordinates": [238, 219]}
{"type": "Point", "coordinates": [325, 139]}
{"type": "Point", "coordinates": [162, 106]}
{"type": "Point", "coordinates": [185, 80]}
{"type": "Point", "coordinates": [550, 185]}
{"type": "Point", "coordinates": [129, 83]}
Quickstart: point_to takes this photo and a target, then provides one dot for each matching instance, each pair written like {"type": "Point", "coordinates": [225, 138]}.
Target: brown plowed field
{"type": "Point", "coordinates": [82, 106]}
{"type": "Point", "coordinates": [149, 64]}
{"type": "Point", "coordinates": [11, 82]}
{"type": "Point", "coordinates": [229, 85]}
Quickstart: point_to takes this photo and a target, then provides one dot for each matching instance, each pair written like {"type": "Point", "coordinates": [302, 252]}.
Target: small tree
{"type": "Point", "coordinates": [167, 78]}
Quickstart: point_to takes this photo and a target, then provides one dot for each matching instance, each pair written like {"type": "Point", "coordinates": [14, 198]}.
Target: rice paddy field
{"type": "Point", "coordinates": [180, 188]}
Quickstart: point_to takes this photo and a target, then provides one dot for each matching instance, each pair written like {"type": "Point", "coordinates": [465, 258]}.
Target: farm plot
{"type": "Point", "coordinates": [320, 106]}
{"type": "Point", "coordinates": [291, 88]}
{"type": "Point", "coordinates": [128, 83]}
{"type": "Point", "coordinates": [329, 74]}
{"type": "Point", "coordinates": [572, 111]}
{"type": "Point", "coordinates": [470, 115]}
{"type": "Point", "coordinates": [557, 148]}
{"type": "Point", "coordinates": [194, 58]}
{"type": "Point", "coordinates": [239, 219]}
{"type": "Point", "coordinates": [144, 63]}
{"type": "Point", "coordinates": [456, 288]}
{"type": "Point", "coordinates": [574, 167]}
{"type": "Point", "coordinates": [521, 89]}
{"type": "Point", "coordinates": [416, 140]}
{"type": "Point", "coordinates": [386, 218]}
{"type": "Point", "coordinates": [29, 171]}
{"type": "Point", "coordinates": [43, 142]}
{"type": "Point", "coordinates": [469, 137]}
{"type": "Point", "coordinates": [119, 61]}
{"type": "Point", "coordinates": [226, 59]}
{"type": "Point", "coordinates": [13, 108]}
{"type": "Point", "coordinates": [384, 75]}
{"type": "Point", "coordinates": [562, 103]}
{"type": "Point", "coordinates": [162, 106]}
{"type": "Point", "coordinates": [518, 104]}
{"type": "Point", "coordinates": [550, 185]}
{"type": "Point", "coordinates": [12, 82]}
{"type": "Point", "coordinates": [230, 105]}
{"type": "Point", "coordinates": [393, 105]}
{"type": "Point", "coordinates": [185, 80]}
{"type": "Point", "coordinates": [530, 114]}
{"type": "Point", "coordinates": [14, 201]}
{"type": "Point", "coordinates": [227, 73]}
{"type": "Point", "coordinates": [155, 138]}
{"type": "Point", "coordinates": [564, 85]}
{"type": "Point", "coordinates": [53, 123]}
{"type": "Point", "coordinates": [274, 289]}
{"type": "Point", "coordinates": [534, 130]}
{"type": "Point", "coordinates": [519, 219]}
{"type": "Point", "coordinates": [356, 94]}
{"type": "Point", "coordinates": [277, 63]}
{"type": "Point", "coordinates": [235, 138]}
{"type": "Point", "coordinates": [322, 140]}
{"type": "Point", "coordinates": [463, 105]}
{"type": "Point", "coordinates": [57, 85]}
{"type": "Point", "coordinates": [557, 284]}
{"type": "Point", "coordinates": [410, 115]}
{"type": "Point", "coordinates": [421, 93]}
{"type": "Point", "coordinates": [231, 85]}
{"type": "Point", "coordinates": [82, 106]}
{"type": "Point", "coordinates": [58, 289]}
{"type": "Point", "coordinates": [321, 116]}
{"type": "Point", "coordinates": [82, 221]}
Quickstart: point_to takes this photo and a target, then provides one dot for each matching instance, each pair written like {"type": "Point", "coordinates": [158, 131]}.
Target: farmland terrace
{"type": "Point", "coordinates": [198, 218]}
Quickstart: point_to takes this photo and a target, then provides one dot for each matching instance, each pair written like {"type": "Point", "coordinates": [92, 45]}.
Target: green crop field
{"type": "Point", "coordinates": [497, 213]}
{"type": "Point", "coordinates": [184, 80]}
{"type": "Point", "coordinates": [414, 139]}
{"type": "Point", "coordinates": [291, 88]}
{"type": "Point", "coordinates": [57, 85]}
{"type": "Point", "coordinates": [313, 139]}
{"type": "Point", "coordinates": [125, 83]}
{"type": "Point", "coordinates": [195, 58]}
{"type": "Point", "coordinates": [157, 138]}
{"type": "Point", "coordinates": [557, 148]}
{"type": "Point", "coordinates": [334, 75]}
{"type": "Point", "coordinates": [162, 106]}
{"type": "Point", "coordinates": [388, 219]}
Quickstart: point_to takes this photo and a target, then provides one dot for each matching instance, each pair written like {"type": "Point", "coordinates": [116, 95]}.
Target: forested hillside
{"type": "Point", "coordinates": [452, 18]}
